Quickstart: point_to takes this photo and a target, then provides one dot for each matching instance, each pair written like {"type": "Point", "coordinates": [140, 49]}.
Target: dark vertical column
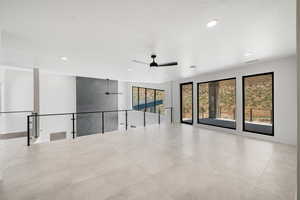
{"type": "Point", "coordinates": [159, 116]}
{"type": "Point", "coordinates": [144, 117]}
{"type": "Point", "coordinates": [213, 90]}
{"type": "Point", "coordinates": [171, 115]}
{"type": "Point", "coordinates": [28, 130]}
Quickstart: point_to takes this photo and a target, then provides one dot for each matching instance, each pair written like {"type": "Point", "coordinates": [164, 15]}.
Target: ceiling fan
{"type": "Point", "coordinates": [155, 64]}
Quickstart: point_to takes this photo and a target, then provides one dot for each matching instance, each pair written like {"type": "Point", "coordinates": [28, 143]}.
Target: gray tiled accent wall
{"type": "Point", "coordinates": [90, 96]}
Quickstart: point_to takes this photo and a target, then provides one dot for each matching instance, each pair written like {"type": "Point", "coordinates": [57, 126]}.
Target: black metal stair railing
{"type": "Point", "coordinates": [74, 115]}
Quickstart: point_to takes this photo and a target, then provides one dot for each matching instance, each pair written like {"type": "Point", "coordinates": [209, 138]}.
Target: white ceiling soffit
{"type": "Point", "coordinates": [101, 38]}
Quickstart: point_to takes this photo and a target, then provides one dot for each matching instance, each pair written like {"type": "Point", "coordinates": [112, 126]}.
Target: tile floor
{"type": "Point", "coordinates": [178, 162]}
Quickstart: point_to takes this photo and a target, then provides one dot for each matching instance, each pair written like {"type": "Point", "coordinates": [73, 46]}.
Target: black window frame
{"type": "Point", "coordinates": [181, 84]}
{"type": "Point", "coordinates": [243, 96]}
{"type": "Point", "coordinates": [233, 78]}
{"type": "Point", "coordinates": [145, 109]}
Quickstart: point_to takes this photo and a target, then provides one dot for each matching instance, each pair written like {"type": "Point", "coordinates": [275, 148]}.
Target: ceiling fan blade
{"type": "Point", "coordinates": [168, 64]}
{"type": "Point", "coordinates": [140, 62]}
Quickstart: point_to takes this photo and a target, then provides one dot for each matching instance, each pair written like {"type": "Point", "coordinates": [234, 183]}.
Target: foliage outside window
{"type": "Point", "coordinates": [142, 99]}
{"type": "Point", "coordinates": [186, 103]}
{"type": "Point", "coordinates": [150, 100]}
{"type": "Point", "coordinates": [216, 103]}
{"type": "Point", "coordinates": [258, 103]}
{"type": "Point", "coordinates": [135, 97]}
{"type": "Point", "coordinates": [160, 96]}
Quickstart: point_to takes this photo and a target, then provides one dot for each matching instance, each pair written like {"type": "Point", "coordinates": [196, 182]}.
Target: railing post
{"type": "Point", "coordinates": [159, 116]}
{"type": "Point", "coordinates": [36, 125]}
{"type": "Point", "coordinates": [144, 118]}
{"type": "Point", "coordinates": [171, 115]}
{"type": "Point", "coordinates": [102, 122]}
{"type": "Point", "coordinates": [28, 130]}
{"type": "Point", "coordinates": [126, 121]}
{"type": "Point", "coordinates": [73, 125]}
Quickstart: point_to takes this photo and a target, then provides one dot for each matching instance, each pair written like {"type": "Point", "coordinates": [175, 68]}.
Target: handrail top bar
{"type": "Point", "coordinates": [87, 112]}
{"type": "Point", "coordinates": [71, 113]}
{"type": "Point", "coordinates": [18, 111]}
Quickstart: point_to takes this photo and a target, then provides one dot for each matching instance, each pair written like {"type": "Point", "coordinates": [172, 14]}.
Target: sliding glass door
{"type": "Point", "coordinates": [258, 104]}
{"type": "Point", "coordinates": [216, 103]}
{"type": "Point", "coordinates": [186, 103]}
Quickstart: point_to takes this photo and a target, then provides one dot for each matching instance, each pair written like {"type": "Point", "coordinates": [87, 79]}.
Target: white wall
{"type": "Point", "coordinates": [57, 95]}
{"type": "Point", "coordinates": [285, 97]}
{"type": "Point", "coordinates": [16, 95]}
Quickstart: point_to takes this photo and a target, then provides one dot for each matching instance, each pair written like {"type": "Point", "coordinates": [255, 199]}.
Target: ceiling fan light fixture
{"type": "Point", "coordinates": [155, 64]}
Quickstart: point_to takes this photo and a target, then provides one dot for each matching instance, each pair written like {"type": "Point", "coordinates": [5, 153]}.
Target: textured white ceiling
{"type": "Point", "coordinates": [100, 38]}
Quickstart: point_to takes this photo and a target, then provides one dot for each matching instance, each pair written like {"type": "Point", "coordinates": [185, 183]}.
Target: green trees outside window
{"type": "Point", "coordinates": [258, 103]}
{"type": "Point", "coordinates": [216, 103]}
{"type": "Point", "coordinates": [148, 99]}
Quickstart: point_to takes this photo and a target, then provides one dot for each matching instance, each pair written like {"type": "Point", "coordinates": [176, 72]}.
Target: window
{"type": "Point", "coordinates": [142, 99]}
{"type": "Point", "coordinates": [135, 98]}
{"type": "Point", "coordinates": [186, 103]}
{"type": "Point", "coordinates": [216, 103]}
{"type": "Point", "coordinates": [258, 103]}
{"type": "Point", "coordinates": [160, 96]}
{"type": "Point", "coordinates": [151, 100]}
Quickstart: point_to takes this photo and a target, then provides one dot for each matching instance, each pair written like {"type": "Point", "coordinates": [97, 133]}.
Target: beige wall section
{"type": "Point", "coordinates": [36, 88]}
{"type": "Point", "coordinates": [36, 100]}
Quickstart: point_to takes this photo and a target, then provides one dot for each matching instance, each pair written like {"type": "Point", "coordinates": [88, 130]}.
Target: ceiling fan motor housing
{"type": "Point", "coordinates": [153, 64]}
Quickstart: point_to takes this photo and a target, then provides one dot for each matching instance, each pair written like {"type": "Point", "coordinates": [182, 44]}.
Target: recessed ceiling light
{"type": "Point", "coordinates": [212, 23]}
{"type": "Point", "coordinates": [129, 70]}
{"type": "Point", "coordinates": [64, 58]}
{"type": "Point", "coordinates": [248, 54]}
